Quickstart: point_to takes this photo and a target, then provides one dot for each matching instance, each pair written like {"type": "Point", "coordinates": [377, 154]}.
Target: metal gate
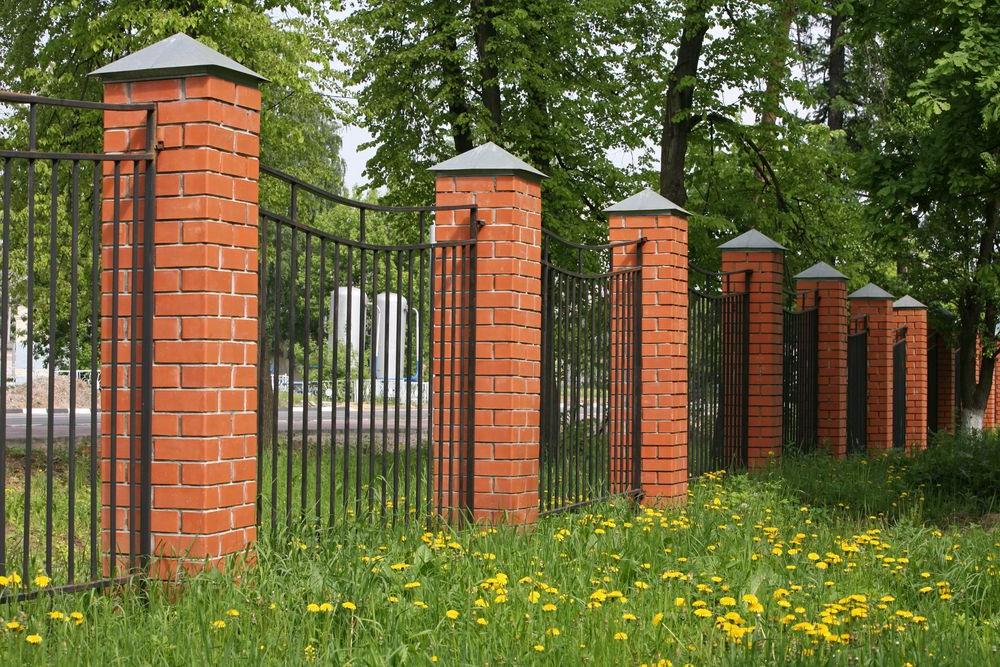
{"type": "Point", "coordinates": [899, 390]}
{"type": "Point", "coordinates": [74, 497]}
{"type": "Point", "coordinates": [718, 370]}
{"type": "Point", "coordinates": [367, 360]}
{"type": "Point", "coordinates": [800, 374]}
{"type": "Point", "coordinates": [591, 337]}
{"type": "Point", "coordinates": [933, 378]}
{"type": "Point", "coordinates": [857, 387]}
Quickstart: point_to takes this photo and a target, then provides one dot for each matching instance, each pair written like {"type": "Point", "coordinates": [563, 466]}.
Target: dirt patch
{"type": "Point", "coordinates": [40, 394]}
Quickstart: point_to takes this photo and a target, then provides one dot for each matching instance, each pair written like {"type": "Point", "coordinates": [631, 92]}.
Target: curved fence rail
{"type": "Point", "coordinates": [591, 321]}
{"type": "Point", "coordinates": [718, 371]}
{"type": "Point", "coordinates": [366, 361]}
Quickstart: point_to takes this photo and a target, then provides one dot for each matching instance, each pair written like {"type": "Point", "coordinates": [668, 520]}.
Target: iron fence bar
{"type": "Point", "coordinates": [637, 372]}
{"type": "Point", "coordinates": [4, 334]}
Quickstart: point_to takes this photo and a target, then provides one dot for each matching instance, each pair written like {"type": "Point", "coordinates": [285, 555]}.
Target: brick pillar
{"type": "Point", "coordinates": [765, 260]}
{"type": "Point", "coordinates": [664, 260]}
{"type": "Point", "coordinates": [507, 195]}
{"type": "Point", "coordinates": [831, 287]}
{"type": "Point", "coordinates": [912, 314]}
{"type": "Point", "coordinates": [205, 325]}
{"type": "Point", "coordinates": [875, 303]}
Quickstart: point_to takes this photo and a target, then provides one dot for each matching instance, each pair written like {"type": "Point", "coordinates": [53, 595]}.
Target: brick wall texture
{"type": "Point", "coordinates": [205, 326]}
{"type": "Point", "coordinates": [881, 328]}
{"type": "Point", "coordinates": [832, 390]}
{"type": "Point", "coordinates": [915, 321]}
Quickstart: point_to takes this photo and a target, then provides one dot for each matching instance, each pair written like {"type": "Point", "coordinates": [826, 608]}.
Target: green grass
{"type": "Point", "coordinates": [907, 577]}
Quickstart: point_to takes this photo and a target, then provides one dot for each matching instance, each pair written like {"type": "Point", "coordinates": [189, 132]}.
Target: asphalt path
{"type": "Point", "coordinates": [16, 423]}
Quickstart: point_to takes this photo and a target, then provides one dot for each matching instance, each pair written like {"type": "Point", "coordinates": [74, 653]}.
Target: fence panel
{"type": "Point", "coordinates": [591, 331]}
{"type": "Point", "coordinates": [899, 390]}
{"type": "Point", "coordinates": [718, 372]}
{"type": "Point", "coordinates": [800, 376]}
{"type": "Point", "coordinates": [933, 378]}
{"type": "Point", "coordinates": [857, 387]}
{"type": "Point", "coordinates": [74, 451]}
{"type": "Point", "coordinates": [367, 361]}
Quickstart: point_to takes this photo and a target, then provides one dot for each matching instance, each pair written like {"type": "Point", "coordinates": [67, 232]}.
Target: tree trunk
{"type": "Point", "coordinates": [678, 101]}
{"type": "Point", "coordinates": [835, 72]}
{"type": "Point", "coordinates": [453, 83]}
{"type": "Point", "coordinates": [776, 71]}
{"type": "Point", "coordinates": [489, 88]}
{"type": "Point", "coordinates": [978, 313]}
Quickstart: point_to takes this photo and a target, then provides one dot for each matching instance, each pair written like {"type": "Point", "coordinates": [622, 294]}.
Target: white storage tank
{"type": "Point", "coordinates": [390, 309]}
{"type": "Point", "coordinates": [347, 303]}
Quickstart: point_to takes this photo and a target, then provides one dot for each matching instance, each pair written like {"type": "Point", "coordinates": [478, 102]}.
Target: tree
{"type": "Point", "coordinates": [931, 147]}
{"type": "Point", "coordinates": [47, 47]}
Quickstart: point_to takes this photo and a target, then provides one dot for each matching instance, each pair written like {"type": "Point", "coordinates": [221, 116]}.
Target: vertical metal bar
{"type": "Point", "coordinates": [361, 374]}
{"type": "Point", "coordinates": [349, 393]}
{"type": "Point", "coordinates": [425, 471]}
{"type": "Point", "coordinates": [306, 335]}
{"type": "Point", "coordinates": [293, 274]}
{"type": "Point", "coordinates": [452, 417]}
{"type": "Point", "coordinates": [275, 356]}
{"type": "Point", "coordinates": [335, 342]}
{"type": "Point", "coordinates": [133, 395]}
{"type": "Point", "coordinates": [371, 378]}
{"type": "Point", "coordinates": [397, 368]}
{"type": "Point", "coordinates": [637, 372]}
{"type": "Point", "coordinates": [50, 419]}
{"type": "Point", "coordinates": [95, 353]}
{"type": "Point", "coordinates": [409, 351]}
{"type": "Point", "coordinates": [321, 342]}
{"type": "Point", "coordinates": [4, 338]}
{"type": "Point", "coordinates": [385, 381]}
{"type": "Point", "coordinates": [30, 342]}
{"type": "Point", "coordinates": [74, 204]}
{"type": "Point", "coordinates": [320, 380]}
{"type": "Point", "coordinates": [470, 373]}
{"type": "Point", "coordinates": [148, 311]}
{"type": "Point", "coordinates": [262, 378]}
{"type": "Point", "coordinates": [115, 300]}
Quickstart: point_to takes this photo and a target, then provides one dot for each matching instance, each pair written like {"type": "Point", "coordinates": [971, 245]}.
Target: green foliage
{"type": "Point", "coordinates": [966, 466]}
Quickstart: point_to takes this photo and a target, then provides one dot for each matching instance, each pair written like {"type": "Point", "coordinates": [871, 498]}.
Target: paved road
{"type": "Point", "coordinates": [16, 424]}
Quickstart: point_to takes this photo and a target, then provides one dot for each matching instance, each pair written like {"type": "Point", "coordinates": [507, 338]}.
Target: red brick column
{"type": "Point", "coordinates": [205, 325]}
{"type": "Point", "coordinates": [507, 195]}
{"type": "Point", "coordinates": [831, 287]}
{"type": "Point", "coordinates": [875, 303]}
{"type": "Point", "coordinates": [765, 260]}
{"type": "Point", "coordinates": [664, 257]}
{"type": "Point", "coordinates": [912, 314]}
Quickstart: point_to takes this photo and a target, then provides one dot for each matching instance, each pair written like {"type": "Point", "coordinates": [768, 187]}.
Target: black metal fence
{"type": "Point", "coordinates": [899, 390]}
{"type": "Point", "coordinates": [591, 337]}
{"type": "Point", "coordinates": [70, 221]}
{"type": "Point", "coordinates": [800, 374]}
{"type": "Point", "coordinates": [934, 347]}
{"type": "Point", "coordinates": [718, 370]}
{"type": "Point", "coordinates": [857, 386]}
{"type": "Point", "coordinates": [367, 360]}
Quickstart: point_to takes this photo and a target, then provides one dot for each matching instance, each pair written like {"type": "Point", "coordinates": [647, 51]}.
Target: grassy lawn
{"type": "Point", "coordinates": [812, 562]}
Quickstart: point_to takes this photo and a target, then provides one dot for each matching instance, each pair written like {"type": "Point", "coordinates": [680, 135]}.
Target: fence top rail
{"type": "Point", "coordinates": [362, 245]}
{"type": "Point", "coordinates": [723, 277]}
{"type": "Point", "coordinates": [591, 246]}
{"type": "Point", "coordinates": [10, 97]}
{"type": "Point", "coordinates": [591, 276]}
{"type": "Point", "coordinates": [354, 203]}
{"type": "Point", "coordinates": [800, 301]}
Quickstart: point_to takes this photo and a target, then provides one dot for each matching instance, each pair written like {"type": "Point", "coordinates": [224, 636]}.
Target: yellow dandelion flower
{"type": "Point", "coordinates": [410, 585]}
{"type": "Point", "coordinates": [629, 617]}
{"type": "Point", "coordinates": [657, 618]}
{"type": "Point", "coordinates": [392, 599]}
{"type": "Point", "coordinates": [548, 607]}
{"type": "Point", "coordinates": [538, 647]}
{"type": "Point", "coordinates": [727, 601]}
{"type": "Point", "coordinates": [218, 624]}
{"type": "Point", "coordinates": [77, 617]}
{"type": "Point", "coordinates": [350, 606]}
{"type": "Point", "coordinates": [620, 636]}
{"type": "Point", "coordinates": [326, 607]}
{"type": "Point", "coordinates": [14, 625]}
{"type": "Point", "coordinates": [534, 596]}
{"type": "Point", "coordinates": [679, 602]}
{"type": "Point", "coordinates": [312, 608]}
{"type": "Point", "coordinates": [232, 612]}
{"type": "Point", "coordinates": [553, 632]}
{"type": "Point", "coordinates": [452, 614]}
{"type": "Point", "coordinates": [701, 612]}
{"type": "Point", "coordinates": [42, 581]}
{"type": "Point", "coordinates": [399, 566]}
{"type": "Point", "coordinates": [482, 621]}
{"type": "Point", "coordinates": [33, 639]}
{"type": "Point", "coordinates": [56, 615]}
